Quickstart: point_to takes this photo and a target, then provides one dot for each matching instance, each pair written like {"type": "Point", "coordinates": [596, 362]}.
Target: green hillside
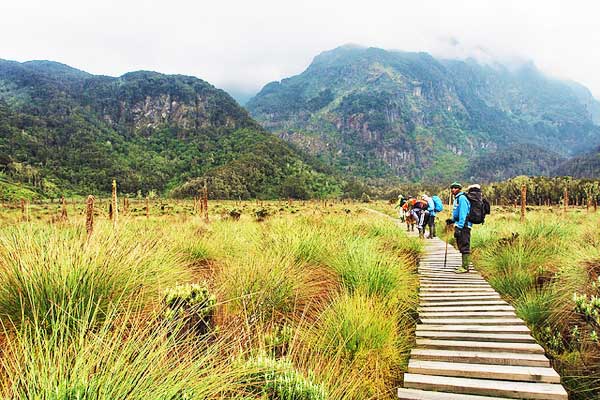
{"type": "Point", "coordinates": [63, 127]}
{"type": "Point", "coordinates": [380, 113]}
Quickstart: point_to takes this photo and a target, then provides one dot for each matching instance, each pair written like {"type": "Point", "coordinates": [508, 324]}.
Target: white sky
{"type": "Point", "coordinates": [244, 44]}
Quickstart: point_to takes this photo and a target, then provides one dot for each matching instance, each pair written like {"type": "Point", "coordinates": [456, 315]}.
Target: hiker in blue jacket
{"type": "Point", "coordinates": [431, 220]}
{"type": "Point", "coordinates": [462, 227]}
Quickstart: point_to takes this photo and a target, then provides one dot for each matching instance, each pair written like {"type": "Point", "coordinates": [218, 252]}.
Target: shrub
{"type": "Point", "coordinates": [279, 380]}
{"type": "Point", "coordinates": [235, 213]}
{"type": "Point", "coordinates": [261, 214]}
{"type": "Point", "coordinates": [192, 305]}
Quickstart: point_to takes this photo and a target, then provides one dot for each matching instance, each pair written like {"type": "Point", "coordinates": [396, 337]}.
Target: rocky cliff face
{"type": "Point", "coordinates": [379, 113]}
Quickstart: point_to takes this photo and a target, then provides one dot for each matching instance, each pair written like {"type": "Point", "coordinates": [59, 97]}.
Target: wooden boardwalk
{"type": "Point", "coordinates": [470, 343]}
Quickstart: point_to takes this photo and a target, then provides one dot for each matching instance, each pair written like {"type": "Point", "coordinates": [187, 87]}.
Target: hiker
{"type": "Point", "coordinates": [401, 201]}
{"type": "Point", "coordinates": [431, 219]}
{"type": "Point", "coordinates": [420, 213]}
{"type": "Point", "coordinates": [407, 210]}
{"type": "Point", "coordinates": [462, 227]}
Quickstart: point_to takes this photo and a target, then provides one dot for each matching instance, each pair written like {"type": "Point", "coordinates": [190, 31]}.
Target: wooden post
{"type": "Point", "coordinates": [205, 202]}
{"type": "Point", "coordinates": [89, 215]}
{"type": "Point", "coordinates": [63, 212]}
{"type": "Point", "coordinates": [114, 203]}
{"type": "Point", "coordinates": [147, 207]}
{"type": "Point", "coordinates": [566, 199]}
{"type": "Point", "coordinates": [23, 211]}
{"type": "Point", "coordinates": [523, 201]}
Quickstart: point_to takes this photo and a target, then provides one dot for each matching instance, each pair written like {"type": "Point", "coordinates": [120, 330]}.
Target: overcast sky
{"type": "Point", "coordinates": [245, 44]}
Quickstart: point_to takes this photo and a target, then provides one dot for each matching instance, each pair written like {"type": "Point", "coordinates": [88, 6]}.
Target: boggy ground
{"type": "Point", "coordinates": [314, 301]}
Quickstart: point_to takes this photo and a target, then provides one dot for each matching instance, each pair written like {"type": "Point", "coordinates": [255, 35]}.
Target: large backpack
{"type": "Point", "coordinates": [437, 204]}
{"type": "Point", "coordinates": [480, 207]}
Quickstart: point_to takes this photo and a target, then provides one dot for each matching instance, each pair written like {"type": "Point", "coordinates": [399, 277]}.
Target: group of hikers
{"type": "Point", "coordinates": [469, 208]}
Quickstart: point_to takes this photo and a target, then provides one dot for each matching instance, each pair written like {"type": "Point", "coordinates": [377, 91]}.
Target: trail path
{"type": "Point", "coordinates": [470, 343]}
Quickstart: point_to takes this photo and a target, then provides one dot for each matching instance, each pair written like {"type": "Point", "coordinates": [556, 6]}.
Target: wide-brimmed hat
{"type": "Point", "coordinates": [455, 185]}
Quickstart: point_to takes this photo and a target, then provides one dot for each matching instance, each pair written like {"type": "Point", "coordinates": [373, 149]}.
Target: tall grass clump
{"type": "Point", "coordinates": [47, 270]}
{"type": "Point", "coordinates": [367, 334]}
{"type": "Point", "coordinates": [361, 267]}
{"type": "Point", "coordinates": [270, 286]}
{"type": "Point", "coordinates": [118, 356]}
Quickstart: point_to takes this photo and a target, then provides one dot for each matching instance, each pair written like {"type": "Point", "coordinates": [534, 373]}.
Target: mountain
{"type": "Point", "coordinates": [64, 128]}
{"type": "Point", "coordinates": [379, 113]}
{"type": "Point", "coordinates": [583, 166]}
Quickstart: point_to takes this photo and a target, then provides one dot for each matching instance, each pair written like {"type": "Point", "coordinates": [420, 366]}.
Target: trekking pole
{"type": "Point", "coordinates": [446, 253]}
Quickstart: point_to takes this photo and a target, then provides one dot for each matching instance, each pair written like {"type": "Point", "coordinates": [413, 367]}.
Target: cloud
{"type": "Point", "coordinates": [245, 44]}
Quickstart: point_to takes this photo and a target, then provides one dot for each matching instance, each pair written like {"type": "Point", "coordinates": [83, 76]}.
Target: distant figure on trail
{"type": "Point", "coordinates": [435, 206]}
{"type": "Point", "coordinates": [431, 216]}
{"type": "Point", "coordinates": [420, 213]}
{"type": "Point", "coordinates": [407, 210]}
{"type": "Point", "coordinates": [401, 201]}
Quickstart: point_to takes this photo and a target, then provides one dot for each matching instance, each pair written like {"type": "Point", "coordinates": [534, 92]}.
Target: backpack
{"type": "Point", "coordinates": [480, 207]}
{"type": "Point", "coordinates": [437, 204]}
{"type": "Point", "coordinates": [421, 205]}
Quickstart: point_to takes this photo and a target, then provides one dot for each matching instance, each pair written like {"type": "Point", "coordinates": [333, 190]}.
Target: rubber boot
{"type": "Point", "coordinates": [464, 265]}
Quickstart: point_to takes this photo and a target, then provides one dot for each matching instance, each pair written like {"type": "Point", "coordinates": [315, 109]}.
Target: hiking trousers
{"type": "Point", "coordinates": [431, 224]}
{"type": "Point", "coordinates": [463, 239]}
{"type": "Point", "coordinates": [421, 217]}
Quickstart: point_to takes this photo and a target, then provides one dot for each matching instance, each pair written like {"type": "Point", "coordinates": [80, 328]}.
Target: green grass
{"type": "Point", "coordinates": [86, 319]}
{"type": "Point", "coordinates": [538, 266]}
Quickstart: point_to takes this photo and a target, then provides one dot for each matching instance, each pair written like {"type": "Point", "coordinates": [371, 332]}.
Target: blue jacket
{"type": "Point", "coordinates": [461, 209]}
{"type": "Point", "coordinates": [431, 207]}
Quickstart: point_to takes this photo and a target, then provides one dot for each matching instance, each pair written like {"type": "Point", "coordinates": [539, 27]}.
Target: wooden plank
{"type": "Point", "coordinates": [465, 302]}
{"type": "Point", "coordinates": [484, 371]}
{"type": "Point", "coordinates": [466, 308]}
{"type": "Point", "coordinates": [460, 294]}
{"type": "Point", "coordinates": [467, 314]}
{"type": "Point", "coordinates": [481, 357]}
{"type": "Point", "coordinates": [533, 348]}
{"type": "Point", "coordinates": [487, 387]}
{"type": "Point", "coordinates": [455, 288]}
{"type": "Point", "coordinates": [447, 285]}
{"type": "Point", "coordinates": [517, 328]}
{"type": "Point", "coordinates": [476, 336]}
{"type": "Point", "coordinates": [472, 321]}
{"type": "Point", "coordinates": [416, 394]}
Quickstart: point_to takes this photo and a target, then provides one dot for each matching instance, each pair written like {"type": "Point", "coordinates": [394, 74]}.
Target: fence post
{"type": "Point", "coordinates": [114, 204]}
{"type": "Point", "coordinates": [205, 202]}
{"type": "Point", "coordinates": [89, 215]}
{"type": "Point", "coordinates": [523, 201]}
{"type": "Point", "coordinates": [63, 212]}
